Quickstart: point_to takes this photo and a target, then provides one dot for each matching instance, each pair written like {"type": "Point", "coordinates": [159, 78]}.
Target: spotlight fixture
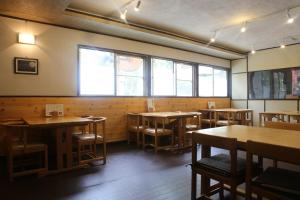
{"type": "Point", "coordinates": [244, 28]}
{"type": "Point", "coordinates": [282, 46]}
{"type": "Point", "coordinates": [137, 7]}
{"type": "Point", "coordinates": [213, 38]}
{"type": "Point", "coordinates": [253, 52]}
{"type": "Point", "coordinates": [123, 15]}
{"type": "Point", "coordinates": [290, 19]}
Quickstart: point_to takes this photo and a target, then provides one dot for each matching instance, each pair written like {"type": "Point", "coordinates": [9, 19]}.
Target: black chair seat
{"type": "Point", "coordinates": [281, 181]}
{"type": "Point", "coordinates": [221, 165]}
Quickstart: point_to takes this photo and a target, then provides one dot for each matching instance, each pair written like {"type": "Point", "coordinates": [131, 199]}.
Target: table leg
{"type": "Point", "coordinates": [68, 143]}
{"type": "Point", "coordinates": [63, 147]}
{"type": "Point", "coordinates": [59, 152]}
{"type": "Point", "coordinates": [260, 119]}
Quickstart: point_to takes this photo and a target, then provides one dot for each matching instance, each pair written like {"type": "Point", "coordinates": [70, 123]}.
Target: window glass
{"type": "Point", "coordinates": [96, 72]}
{"type": "Point", "coordinates": [130, 76]}
{"type": "Point", "coordinates": [162, 77]}
{"type": "Point", "coordinates": [220, 82]}
{"type": "Point", "coordinates": [184, 82]}
{"type": "Point", "coordinates": [205, 81]}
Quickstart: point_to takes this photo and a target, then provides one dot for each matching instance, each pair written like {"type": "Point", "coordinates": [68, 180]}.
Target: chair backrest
{"type": "Point", "coordinates": [154, 122]}
{"type": "Point", "coordinates": [229, 144]}
{"type": "Point", "coordinates": [282, 125]}
{"type": "Point", "coordinates": [16, 132]}
{"type": "Point", "coordinates": [275, 152]}
{"type": "Point", "coordinates": [195, 120]}
{"type": "Point", "coordinates": [133, 119]}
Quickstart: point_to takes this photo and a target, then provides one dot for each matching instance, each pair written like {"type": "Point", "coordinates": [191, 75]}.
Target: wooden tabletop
{"type": "Point", "coordinates": [280, 137]}
{"type": "Point", "coordinates": [170, 114]}
{"type": "Point", "coordinates": [55, 121]}
{"type": "Point", "coordinates": [226, 110]}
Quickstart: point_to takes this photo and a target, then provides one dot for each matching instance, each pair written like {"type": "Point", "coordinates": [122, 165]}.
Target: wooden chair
{"type": "Point", "coordinates": [87, 141]}
{"type": "Point", "coordinates": [282, 125]}
{"type": "Point", "coordinates": [224, 168]}
{"type": "Point", "coordinates": [273, 183]}
{"type": "Point", "coordinates": [208, 118]}
{"type": "Point", "coordinates": [155, 128]}
{"type": "Point", "coordinates": [225, 118]}
{"type": "Point", "coordinates": [194, 123]}
{"type": "Point", "coordinates": [134, 127]}
{"type": "Point", "coordinates": [23, 158]}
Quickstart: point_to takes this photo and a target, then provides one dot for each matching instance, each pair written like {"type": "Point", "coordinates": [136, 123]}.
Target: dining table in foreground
{"type": "Point", "coordinates": [286, 138]}
{"type": "Point", "coordinates": [180, 118]}
{"type": "Point", "coordinates": [62, 128]}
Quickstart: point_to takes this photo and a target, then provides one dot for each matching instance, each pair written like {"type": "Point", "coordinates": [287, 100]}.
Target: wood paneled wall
{"type": "Point", "coordinates": [115, 109]}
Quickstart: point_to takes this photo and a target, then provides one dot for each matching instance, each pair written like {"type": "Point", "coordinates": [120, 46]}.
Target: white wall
{"type": "Point", "coordinates": [56, 50]}
{"type": "Point", "coordinates": [263, 60]}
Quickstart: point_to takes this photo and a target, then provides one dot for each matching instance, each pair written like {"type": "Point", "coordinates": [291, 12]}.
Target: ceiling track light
{"type": "Point", "coordinates": [123, 15]}
{"type": "Point", "coordinates": [282, 46]}
{"type": "Point", "coordinates": [213, 38]}
{"type": "Point", "coordinates": [137, 7]}
{"type": "Point", "coordinates": [253, 52]}
{"type": "Point", "coordinates": [244, 28]}
{"type": "Point", "coordinates": [290, 19]}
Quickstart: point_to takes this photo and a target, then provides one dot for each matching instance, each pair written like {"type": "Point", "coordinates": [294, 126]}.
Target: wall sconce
{"type": "Point", "coordinates": [26, 38]}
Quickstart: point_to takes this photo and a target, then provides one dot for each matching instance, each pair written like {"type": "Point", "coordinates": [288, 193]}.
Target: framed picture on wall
{"type": "Point", "coordinates": [26, 66]}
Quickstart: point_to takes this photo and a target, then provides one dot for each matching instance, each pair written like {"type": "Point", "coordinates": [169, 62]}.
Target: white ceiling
{"type": "Point", "coordinates": [199, 18]}
{"type": "Point", "coordinates": [183, 24]}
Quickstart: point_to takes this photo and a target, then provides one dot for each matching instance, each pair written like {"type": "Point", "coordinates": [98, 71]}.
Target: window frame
{"type": "Point", "coordinates": [147, 69]}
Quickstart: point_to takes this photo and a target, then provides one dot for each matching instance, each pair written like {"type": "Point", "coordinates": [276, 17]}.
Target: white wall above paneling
{"type": "Point", "coordinates": [283, 105]}
{"type": "Point", "coordinates": [275, 58]}
{"type": "Point", "coordinates": [57, 52]}
{"type": "Point", "coordinates": [257, 106]}
{"type": "Point", "coordinates": [239, 86]}
{"type": "Point", "coordinates": [239, 65]}
{"type": "Point", "coordinates": [239, 103]}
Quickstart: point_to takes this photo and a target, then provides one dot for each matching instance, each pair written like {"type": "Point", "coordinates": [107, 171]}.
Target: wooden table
{"type": "Point", "coordinates": [181, 122]}
{"type": "Point", "coordinates": [280, 115]}
{"type": "Point", "coordinates": [235, 111]}
{"type": "Point", "coordinates": [63, 128]}
{"type": "Point", "coordinates": [286, 138]}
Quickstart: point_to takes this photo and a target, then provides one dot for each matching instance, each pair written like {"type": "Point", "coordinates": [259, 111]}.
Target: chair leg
{"type": "Point", "coordinates": [46, 159]}
{"type": "Point", "coordinates": [79, 152]}
{"type": "Point", "coordinates": [138, 139]}
{"type": "Point", "coordinates": [10, 166]}
{"type": "Point", "coordinates": [104, 152]}
{"type": "Point", "coordinates": [221, 192]}
{"type": "Point", "coordinates": [144, 141]}
{"type": "Point", "coordinates": [194, 185]}
{"type": "Point", "coordinates": [155, 143]}
{"type": "Point", "coordinates": [233, 191]}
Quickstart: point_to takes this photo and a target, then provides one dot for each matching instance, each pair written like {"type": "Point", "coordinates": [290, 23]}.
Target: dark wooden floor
{"type": "Point", "coordinates": [130, 174]}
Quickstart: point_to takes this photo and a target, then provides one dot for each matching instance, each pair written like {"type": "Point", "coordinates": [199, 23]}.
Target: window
{"type": "Point", "coordinates": [162, 77]}
{"type": "Point", "coordinates": [107, 73]}
{"type": "Point", "coordinates": [184, 79]}
{"type": "Point", "coordinates": [130, 76]}
{"type": "Point", "coordinates": [212, 82]}
{"type": "Point", "coordinates": [170, 78]}
{"type": "Point", "coordinates": [96, 72]}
